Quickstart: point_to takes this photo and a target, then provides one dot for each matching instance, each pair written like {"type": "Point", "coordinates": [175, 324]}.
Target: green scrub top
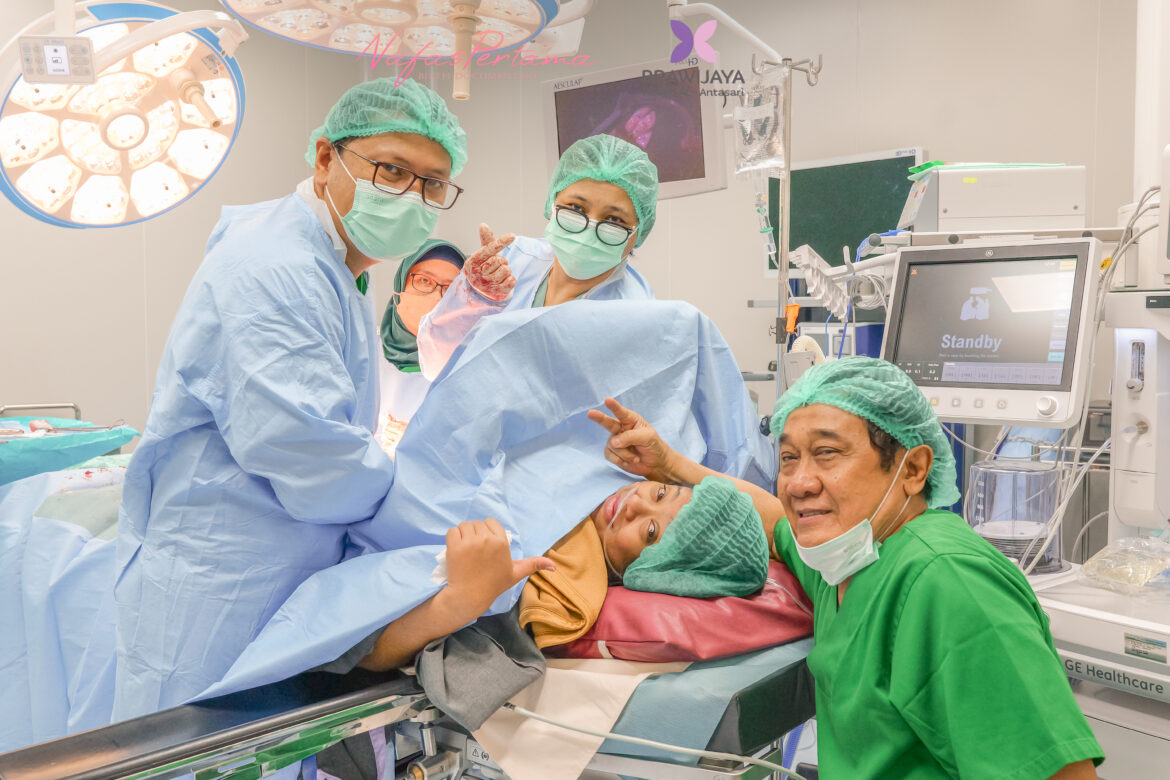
{"type": "Point", "coordinates": [542, 293]}
{"type": "Point", "coordinates": [938, 663]}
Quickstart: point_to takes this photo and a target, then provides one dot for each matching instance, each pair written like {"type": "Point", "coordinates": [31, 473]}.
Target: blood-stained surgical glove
{"type": "Point", "coordinates": [487, 271]}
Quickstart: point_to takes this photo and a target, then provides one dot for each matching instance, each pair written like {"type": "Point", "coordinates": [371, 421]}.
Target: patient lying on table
{"type": "Point", "coordinates": [703, 542]}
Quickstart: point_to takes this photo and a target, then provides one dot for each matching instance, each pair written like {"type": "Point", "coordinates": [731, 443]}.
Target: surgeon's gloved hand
{"type": "Point", "coordinates": [487, 271]}
{"type": "Point", "coordinates": [480, 566]}
{"type": "Point", "coordinates": [634, 445]}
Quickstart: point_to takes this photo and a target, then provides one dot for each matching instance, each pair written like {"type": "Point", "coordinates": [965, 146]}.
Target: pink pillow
{"type": "Point", "coordinates": [655, 627]}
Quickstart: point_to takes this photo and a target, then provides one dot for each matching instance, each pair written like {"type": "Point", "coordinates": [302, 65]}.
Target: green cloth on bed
{"type": "Point", "coordinates": [22, 457]}
{"type": "Point", "coordinates": [106, 461]}
{"type": "Point", "coordinates": [95, 509]}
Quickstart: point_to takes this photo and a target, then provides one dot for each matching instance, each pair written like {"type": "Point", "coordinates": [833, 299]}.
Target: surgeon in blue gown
{"type": "Point", "coordinates": [258, 449]}
{"type": "Point", "coordinates": [601, 204]}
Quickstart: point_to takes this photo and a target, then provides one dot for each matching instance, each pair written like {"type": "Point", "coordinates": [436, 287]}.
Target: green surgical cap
{"type": "Point", "coordinates": [715, 546]}
{"type": "Point", "coordinates": [880, 392]}
{"type": "Point", "coordinates": [610, 159]}
{"type": "Point", "coordinates": [376, 107]}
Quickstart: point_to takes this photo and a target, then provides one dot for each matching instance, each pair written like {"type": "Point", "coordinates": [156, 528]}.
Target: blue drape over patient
{"type": "Point", "coordinates": [504, 433]}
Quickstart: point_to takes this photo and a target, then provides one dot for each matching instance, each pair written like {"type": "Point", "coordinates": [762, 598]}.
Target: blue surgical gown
{"type": "Point", "coordinates": [531, 259]}
{"type": "Point", "coordinates": [258, 452]}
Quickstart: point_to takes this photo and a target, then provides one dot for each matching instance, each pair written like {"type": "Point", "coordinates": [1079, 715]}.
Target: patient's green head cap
{"type": "Point", "coordinates": [381, 106]}
{"type": "Point", "coordinates": [715, 546]}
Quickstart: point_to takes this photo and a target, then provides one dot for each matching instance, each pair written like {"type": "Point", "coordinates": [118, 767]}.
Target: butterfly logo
{"type": "Point", "coordinates": [693, 41]}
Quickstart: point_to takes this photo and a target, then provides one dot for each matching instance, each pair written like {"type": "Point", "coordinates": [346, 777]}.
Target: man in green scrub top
{"type": "Point", "coordinates": [933, 658]}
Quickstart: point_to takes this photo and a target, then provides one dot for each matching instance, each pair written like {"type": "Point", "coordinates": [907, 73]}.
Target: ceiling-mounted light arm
{"type": "Point", "coordinates": [681, 8]}
{"type": "Point", "coordinates": [570, 12]}
{"type": "Point", "coordinates": [231, 35]}
{"type": "Point", "coordinates": [463, 23]}
{"type": "Point", "coordinates": [190, 90]}
{"type": "Point", "coordinates": [65, 17]}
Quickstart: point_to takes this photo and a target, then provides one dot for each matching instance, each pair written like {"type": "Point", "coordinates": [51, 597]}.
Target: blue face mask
{"type": "Point", "coordinates": [846, 554]}
{"type": "Point", "coordinates": [582, 255]}
{"type": "Point", "coordinates": [384, 226]}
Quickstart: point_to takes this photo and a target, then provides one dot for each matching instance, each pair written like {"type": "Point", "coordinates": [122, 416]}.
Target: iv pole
{"type": "Point", "coordinates": [681, 8]}
{"type": "Point", "coordinates": [812, 76]}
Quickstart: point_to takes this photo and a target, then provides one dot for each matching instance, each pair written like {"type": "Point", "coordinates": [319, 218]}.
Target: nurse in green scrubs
{"type": "Point", "coordinates": [933, 658]}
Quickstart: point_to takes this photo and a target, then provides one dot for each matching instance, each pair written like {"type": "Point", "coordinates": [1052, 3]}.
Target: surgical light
{"type": "Point", "coordinates": [102, 200]}
{"type": "Point", "coordinates": [156, 187]}
{"type": "Point", "coordinates": [197, 152]}
{"type": "Point", "coordinates": [125, 129]}
{"type": "Point", "coordinates": [359, 37]}
{"type": "Point", "coordinates": [115, 89]}
{"type": "Point", "coordinates": [315, 22]}
{"type": "Point", "coordinates": [163, 122]}
{"type": "Point", "coordinates": [50, 182]}
{"type": "Point", "coordinates": [83, 144]}
{"type": "Point", "coordinates": [161, 57]}
{"type": "Point", "coordinates": [41, 97]}
{"type": "Point", "coordinates": [103, 36]}
{"type": "Point", "coordinates": [220, 99]}
{"type": "Point", "coordinates": [423, 28]}
{"type": "Point", "coordinates": [157, 121]}
{"type": "Point", "coordinates": [26, 138]}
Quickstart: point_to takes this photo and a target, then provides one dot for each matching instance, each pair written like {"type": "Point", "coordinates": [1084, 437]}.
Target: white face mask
{"type": "Point", "coordinates": [846, 554]}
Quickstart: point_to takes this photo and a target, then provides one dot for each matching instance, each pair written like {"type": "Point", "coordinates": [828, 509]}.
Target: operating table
{"type": "Point", "coordinates": [753, 700]}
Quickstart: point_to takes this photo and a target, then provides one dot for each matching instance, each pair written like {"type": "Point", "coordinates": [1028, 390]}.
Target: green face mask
{"type": "Point", "coordinates": [582, 255]}
{"type": "Point", "coordinates": [384, 226]}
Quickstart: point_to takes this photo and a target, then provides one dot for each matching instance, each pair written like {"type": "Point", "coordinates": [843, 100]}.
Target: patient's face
{"type": "Point", "coordinates": [628, 528]}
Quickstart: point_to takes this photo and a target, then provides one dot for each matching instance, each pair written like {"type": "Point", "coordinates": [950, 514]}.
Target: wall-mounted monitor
{"type": "Point", "coordinates": [660, 109]}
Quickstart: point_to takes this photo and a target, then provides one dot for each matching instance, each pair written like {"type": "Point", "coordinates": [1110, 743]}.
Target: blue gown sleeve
{"type": "Point", "coordinates": [442, 330]}
{"type": "Point", "coordinates": [285, 403]}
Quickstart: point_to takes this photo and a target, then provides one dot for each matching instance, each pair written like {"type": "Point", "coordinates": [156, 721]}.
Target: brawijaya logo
{"type": "Point", "coordinates": [696, 41]}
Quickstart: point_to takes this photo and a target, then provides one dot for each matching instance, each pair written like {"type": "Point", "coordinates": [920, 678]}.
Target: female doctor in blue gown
{"type": "Point", "coordinates": [258, 449]}
{"type": "Point", "coordinates": [601, 204]}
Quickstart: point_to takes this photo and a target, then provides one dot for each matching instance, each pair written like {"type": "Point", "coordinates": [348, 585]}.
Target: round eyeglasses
{"type": "Point", "coordinates": [425, 284]}
{"type": "Point", "coordinates": [396, 180]}
{"type": "Point", "coordinates": [609, 233]}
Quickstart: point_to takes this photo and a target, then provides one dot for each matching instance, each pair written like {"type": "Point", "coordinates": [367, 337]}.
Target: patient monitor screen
{"type": "Point", "coordinates": [1000, 323]}
{"type": "Point", "coordinates": [661, 113]}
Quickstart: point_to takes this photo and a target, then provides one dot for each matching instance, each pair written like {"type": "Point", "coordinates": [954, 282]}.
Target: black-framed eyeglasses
{"type": "Point", "coordinates": [396, 180]}
{"type": "Point", "coordinates": [609, 233]}
{"type": "Point", "coordinates": [425, 284]}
